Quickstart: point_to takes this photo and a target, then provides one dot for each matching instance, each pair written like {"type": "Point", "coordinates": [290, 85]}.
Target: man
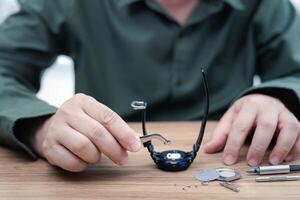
{"type": "Point", "coordinates": [152, 50]}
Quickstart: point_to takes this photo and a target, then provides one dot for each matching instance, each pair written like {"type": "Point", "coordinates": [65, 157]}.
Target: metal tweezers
{"type": "Point", "coordinates": [147, 138]}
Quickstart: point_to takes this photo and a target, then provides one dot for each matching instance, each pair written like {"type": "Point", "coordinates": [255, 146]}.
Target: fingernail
{"type": "Point", "coordinates": [206, 146]}
{"type": "Point", "coordinates": [123, 161]}
{"type": "Point", "coordinates": [136, 146]}
{"type": "Point", "coordinates": [253, 162]}
{"type": "Point", "coordinates": [275, 160]}
{"type": "Point", "coordinates": [229, 159]}
{"type": "Point", "coordinates": [289, 158]}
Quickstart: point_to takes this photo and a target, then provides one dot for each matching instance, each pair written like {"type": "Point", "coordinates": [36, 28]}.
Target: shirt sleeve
{"type": "Point", "coordinates": [276, 28]}
{"type": "Point", "coordinates": [29, 42]}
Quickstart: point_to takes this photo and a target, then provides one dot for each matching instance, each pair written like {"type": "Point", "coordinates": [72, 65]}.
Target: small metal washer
{"type": "Point", "coordinates": [228, 174]}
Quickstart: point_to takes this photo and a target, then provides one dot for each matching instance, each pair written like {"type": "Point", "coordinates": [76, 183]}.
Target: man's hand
{"type": "Point", "coordinates": [82, 128]}
{"type": "Point", "coordinates": [267, 117]}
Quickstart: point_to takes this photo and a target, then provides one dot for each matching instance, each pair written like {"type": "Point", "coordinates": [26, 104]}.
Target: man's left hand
{"type": "Point", "coordinates": [267, 118]}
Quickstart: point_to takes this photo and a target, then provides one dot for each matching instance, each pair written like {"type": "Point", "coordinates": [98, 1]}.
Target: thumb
{"type": "Point", "coordinates": [218, 141]}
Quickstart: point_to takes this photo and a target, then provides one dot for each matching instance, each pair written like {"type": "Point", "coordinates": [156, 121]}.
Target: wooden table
{"type": "Point", "coordinates": [139, 179]}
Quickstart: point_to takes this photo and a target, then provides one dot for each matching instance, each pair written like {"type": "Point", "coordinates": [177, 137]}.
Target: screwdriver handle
{"type": "Point", "coordinates": [294, 167]}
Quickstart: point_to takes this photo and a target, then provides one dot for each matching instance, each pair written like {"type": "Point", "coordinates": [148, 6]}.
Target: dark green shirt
{"type": "Point", "coordinates": [127, 50]}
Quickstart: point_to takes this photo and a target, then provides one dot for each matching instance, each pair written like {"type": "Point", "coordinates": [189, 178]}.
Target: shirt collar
{"type": "Point", "coordinates": [236, 4]}
{"type": "Point", "coordinates": [126, 2]}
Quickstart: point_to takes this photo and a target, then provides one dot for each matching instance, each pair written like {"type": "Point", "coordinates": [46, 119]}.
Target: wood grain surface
{"type": "Point", "coordinates": [21, 178]}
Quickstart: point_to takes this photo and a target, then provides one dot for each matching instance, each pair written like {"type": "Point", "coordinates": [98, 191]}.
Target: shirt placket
{"type": "Point", "coordinates": [182, 43]}
{"type": "Point", "coordinates": [179, 62]}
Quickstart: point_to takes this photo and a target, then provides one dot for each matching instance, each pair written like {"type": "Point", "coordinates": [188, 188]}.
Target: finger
{"type": "Point", "coordinates": [220, 134]}
{"type": "Point", "coordinates": [241, 126]}
{"type": "Point", "coordinates": [79, 144]}
{"type": "Point", "coordinates": [289, 131]}
{"type": "Point", "coordinates": [102, 139]}
{"type": "Point", "coordinates": [265, 128]}
{"type": "Point", "coordinates": [295, 151]}
{"type": "Point", "coordinates": [126, 136]}
{"type": "Point", "coordinates": [61, 157]}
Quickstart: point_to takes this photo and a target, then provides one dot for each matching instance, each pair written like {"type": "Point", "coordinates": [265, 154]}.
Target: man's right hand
{"type": "Point", "coordinates": [80, 131]}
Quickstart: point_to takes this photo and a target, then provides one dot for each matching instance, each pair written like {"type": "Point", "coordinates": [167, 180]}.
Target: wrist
{"type": "Point", "coordinates": [35, 134]}
{"type": "Point", "coordinates": [38, 135]}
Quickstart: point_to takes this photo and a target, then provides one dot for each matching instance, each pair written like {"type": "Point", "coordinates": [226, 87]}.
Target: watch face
{"type": "Point", "coordinates": [173, 156]}
{"type": "Point", "coordinates": [173, 160]}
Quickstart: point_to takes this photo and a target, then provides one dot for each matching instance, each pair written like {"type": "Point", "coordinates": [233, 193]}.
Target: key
{"type": "Point", "coordinates": [230, 186]}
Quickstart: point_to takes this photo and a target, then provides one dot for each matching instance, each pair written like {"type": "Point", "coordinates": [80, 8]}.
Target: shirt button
{"type": "Point", "coordinates": [178, 83]}
{"type": "Point", "coordinates": [180, 34]}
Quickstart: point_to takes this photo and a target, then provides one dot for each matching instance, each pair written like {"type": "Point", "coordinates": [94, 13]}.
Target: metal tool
{"type": "Point", "coordinates": [221, 174]}
{"type": "Point", "coordinates": [277, 178]}
{"type": "Point", "coordinates": [230, 186]}
{"type": "Point", "coordinates": [228, 174]}
{"type": "Point", "coordinates": [205, 176]}
{"type": "Point", "coordinates": [274, 169]}
{"type": "Point", "coordinates": [157, 136]}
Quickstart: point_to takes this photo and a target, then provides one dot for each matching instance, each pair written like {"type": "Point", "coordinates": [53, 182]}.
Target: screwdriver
{"type": "Point", "coordinates": [274, 169]}
{"type": "Point", "coordinates": [277, 178]}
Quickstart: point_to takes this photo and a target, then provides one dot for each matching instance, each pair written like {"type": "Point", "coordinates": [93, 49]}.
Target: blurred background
{"type": "Point", "coordinates": [58, 81]}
